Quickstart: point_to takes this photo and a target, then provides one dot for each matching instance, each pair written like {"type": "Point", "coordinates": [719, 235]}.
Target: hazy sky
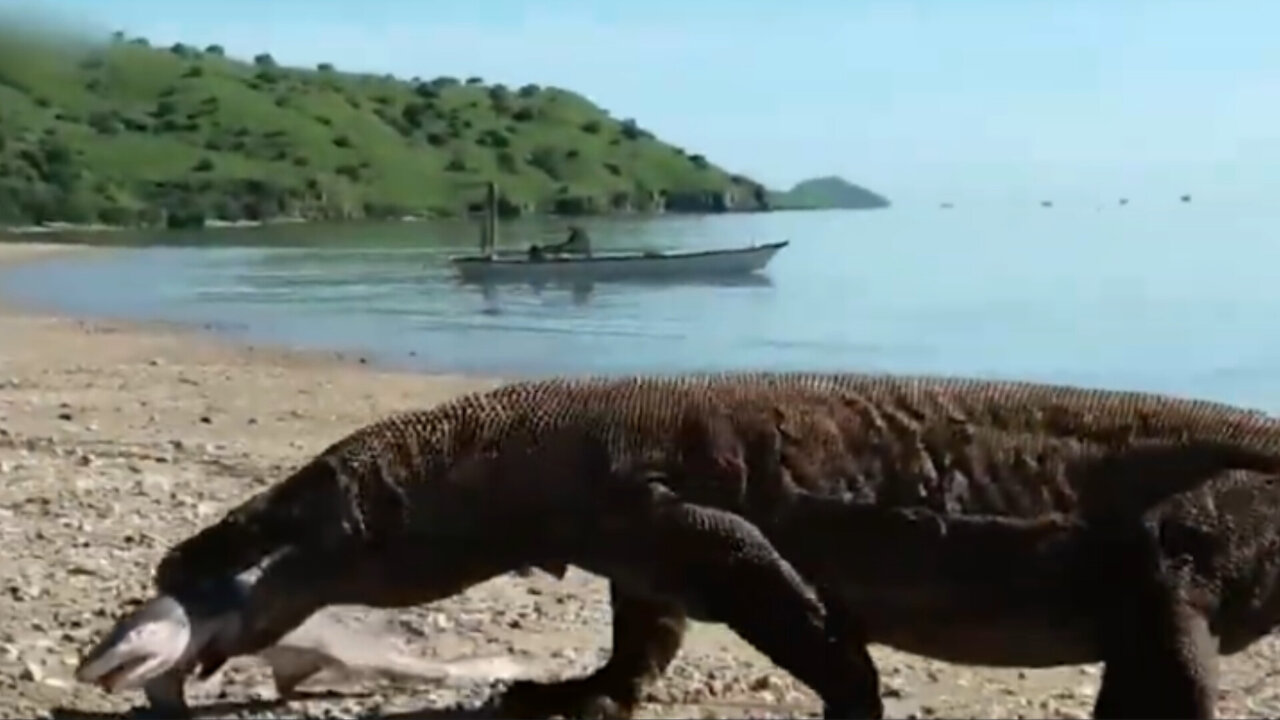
{"type": "Point", "coordinates": [981, 100]}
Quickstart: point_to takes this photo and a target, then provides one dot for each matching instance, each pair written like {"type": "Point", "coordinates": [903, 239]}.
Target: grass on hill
{"type": "Point", "coordinates": [122, 133]}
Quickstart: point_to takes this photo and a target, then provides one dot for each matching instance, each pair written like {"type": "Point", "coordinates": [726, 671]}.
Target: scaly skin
{"type": "Point", "coordinates": [678, 489]}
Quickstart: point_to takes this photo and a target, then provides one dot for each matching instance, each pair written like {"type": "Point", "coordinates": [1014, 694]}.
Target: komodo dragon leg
{"type": "Point", "coordinates": [647, 634]}
{"type": "Point", "coordinates": [1160, 655]}
{"type": "Point", "coordinates": [721, 568]}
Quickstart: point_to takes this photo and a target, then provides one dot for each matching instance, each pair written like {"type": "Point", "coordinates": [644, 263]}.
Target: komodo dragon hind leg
{"type": "Point", "coordinates": [1160, 656]}
{"type": "Point", "coordinates": [646, 637]}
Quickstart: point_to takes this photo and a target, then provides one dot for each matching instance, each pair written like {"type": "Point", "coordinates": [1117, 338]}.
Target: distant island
{"type": "Point", "coordinates": [827, 192]}
{"type": "Point", "coordinates": [120, 133]}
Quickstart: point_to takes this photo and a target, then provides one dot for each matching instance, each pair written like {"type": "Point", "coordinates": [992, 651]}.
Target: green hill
{"type": "Point", "coordinates": [122, 133]}
{"type": "Point", "coordinates": [826, 192]}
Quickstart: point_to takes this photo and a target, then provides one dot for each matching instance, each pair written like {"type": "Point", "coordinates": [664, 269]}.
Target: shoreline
{"type": "Point", "coordinates": [43, 231]}
{"type": "Point", "coordinates": [55, 228]}
{"type": "Point", "coordinates": [119, 438]}
{"type": "Point", "coordinates": [14, 253]}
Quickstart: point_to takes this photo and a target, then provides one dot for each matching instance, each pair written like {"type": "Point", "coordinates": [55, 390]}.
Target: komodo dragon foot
{"type": "Point", "coordinates": [585, 698]}
{"type": "Point", "coordinates": [646, 637]}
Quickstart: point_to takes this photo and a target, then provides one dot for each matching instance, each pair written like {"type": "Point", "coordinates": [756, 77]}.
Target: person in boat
{"type": "Point", "coordinates": [578, 242]}
{"type": "Point", "coordinates": [536, 254]}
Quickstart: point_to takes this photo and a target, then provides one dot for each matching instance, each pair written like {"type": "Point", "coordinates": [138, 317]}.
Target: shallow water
{"type": "Point", "coordinates": [1171, 297]}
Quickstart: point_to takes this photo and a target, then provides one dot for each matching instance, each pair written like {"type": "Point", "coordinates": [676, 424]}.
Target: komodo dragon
{"type": "Point", "coordinates": [421, 505]}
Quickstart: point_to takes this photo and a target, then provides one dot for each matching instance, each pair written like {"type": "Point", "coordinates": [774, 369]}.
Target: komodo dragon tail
{"type": "Point", "coordinates": [314, 507]}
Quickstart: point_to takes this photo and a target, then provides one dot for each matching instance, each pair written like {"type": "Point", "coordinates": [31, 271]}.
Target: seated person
{"type": "Point", "coordinates": [578, 242]}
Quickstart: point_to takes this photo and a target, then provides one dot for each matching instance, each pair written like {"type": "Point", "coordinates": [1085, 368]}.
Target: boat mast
{"type": "Point", "coordinates": [489, 230]}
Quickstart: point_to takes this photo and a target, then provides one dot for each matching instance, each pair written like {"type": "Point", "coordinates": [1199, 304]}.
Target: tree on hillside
{"type": "Point", "coordinates": [500, 98]}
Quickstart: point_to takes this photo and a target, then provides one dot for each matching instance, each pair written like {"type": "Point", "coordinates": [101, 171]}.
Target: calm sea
{"type": "Point", "coordinates": [1182, 298]}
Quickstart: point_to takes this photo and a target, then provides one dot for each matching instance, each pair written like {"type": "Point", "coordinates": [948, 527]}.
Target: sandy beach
{"type": "Point", "coordinates": [118, 439]}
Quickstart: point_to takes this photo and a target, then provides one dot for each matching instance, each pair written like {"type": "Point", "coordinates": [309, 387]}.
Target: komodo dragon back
{"type": "Point", "coordinates": [962, 445]}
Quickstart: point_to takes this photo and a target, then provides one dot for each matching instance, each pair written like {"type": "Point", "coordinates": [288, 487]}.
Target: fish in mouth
{"type": "Point", "coordinates": [157, 645]}
{"type": "Point", "coordinates": [148, 643]}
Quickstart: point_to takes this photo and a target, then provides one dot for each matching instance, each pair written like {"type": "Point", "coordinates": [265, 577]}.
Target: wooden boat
{"type": "Point", "coordinates": [616, 266]}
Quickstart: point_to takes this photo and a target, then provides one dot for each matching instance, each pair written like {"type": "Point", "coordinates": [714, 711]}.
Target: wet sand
{"type": "Point", "coordinates": [117, 439]}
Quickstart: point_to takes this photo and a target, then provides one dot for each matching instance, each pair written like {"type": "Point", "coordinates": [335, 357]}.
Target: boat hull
{"type": "Point", "coordinates": [709, 263]}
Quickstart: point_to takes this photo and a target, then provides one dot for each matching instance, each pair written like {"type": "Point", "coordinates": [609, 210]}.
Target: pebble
{"type": "Point", "coordinates": [892, 689]}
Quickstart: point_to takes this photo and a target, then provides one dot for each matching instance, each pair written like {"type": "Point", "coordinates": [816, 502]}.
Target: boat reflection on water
{"type": "Point", "coordinates": [581, 291]}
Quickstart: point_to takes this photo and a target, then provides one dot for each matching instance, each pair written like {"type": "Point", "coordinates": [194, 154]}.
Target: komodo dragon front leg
{"type": "Point", "coordinates": [1159, 651]}
{"type": "Point", "coordinates": [714, 566]}
{"type": "Point", "coordinates": [647, 633]}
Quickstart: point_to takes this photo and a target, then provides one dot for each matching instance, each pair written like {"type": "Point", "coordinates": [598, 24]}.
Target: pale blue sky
{"type": "Point", "coordinates": [970, 100]}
